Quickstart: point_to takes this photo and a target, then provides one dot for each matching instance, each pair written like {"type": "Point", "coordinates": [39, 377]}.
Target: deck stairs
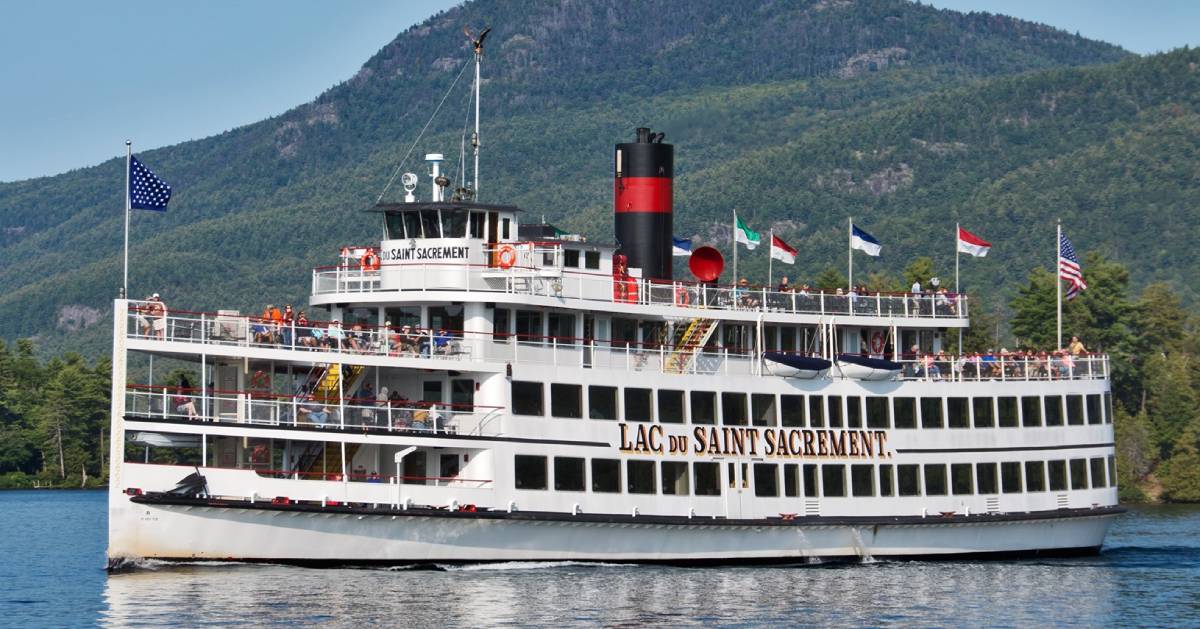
{"type": "Point", "coordinates": [326, 390]}
{"type": "Point", "coordinates": [689, 339]}
{"type": "Point", "coordinates": [314, 462]}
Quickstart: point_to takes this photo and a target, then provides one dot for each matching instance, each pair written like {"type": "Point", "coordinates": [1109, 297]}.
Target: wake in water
{"type": "Point", "coordinates": [528, 565]}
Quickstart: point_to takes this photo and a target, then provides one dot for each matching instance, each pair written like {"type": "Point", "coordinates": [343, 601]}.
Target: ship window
{"type": "Point", "coordinates": [908, 478]}
{"type": "Point", "coordinates": [706, 478]}
{"type": "Point", "coordinates": [527, 398]}
{"type": "Point", "coordinates": [1075, 410]}
{"type": "Point", "coordinates": [670, 406]}
{"type": "Point", "coordinates": [412, 225]}
{"type": "Point", "coordinates": [931, 413]}
{"type": "Point", "coordinates": [985, 476]}
{"type": "Point", "coordinates": [409, 315]}
{"type": "Point", "coordinates": [816, 411]}
{"type": "Point", "coordinates": [501, 321]}
{"type": "Point", "coordinates": [448, 465]}
{"type": "Point", "coordinates": [810, 481]}
{"type": "Point", "coordinates": [640, 477]}
{"type": "Point", "coordinates": [568, 473]}
{"type": "Point", "coordinates": [591, 259]}
{"type": "Point", "coordinates": [624, 332]}
{"type": "Point", "coordinates": [395, 226]}
{"type": "Point", "coordinates": [606, 476]}
{"type": "Point", "coordinates": [571, 258]}
{"type": "Point", "coordinates": [1057, 470]}
{"type": "Point", "coordinates": [984, 418]}
{"type": "Point", "coordinates": [430, 224]}
{"type": "Point", "coordinates": [562, 327]}
{"type": "Point", "coordinates": [935, 479]}
{"type": "Point", "coordinates": [791, 480]}
{"type": "Point", "coordinates": [957, 412]}
{"type": "Point", "coordinates": [1010, 477]}
{"type": "Point", "coordinates": [904, 412]}
{"type": "Point", "coordinates": [1035, 476]}
{"type": "Point", "coordinates": [853, 411]}
{"type": "Point", "coordinates": [763, 405]}
{"type": "Point", "coordinates": [885, 480]}
{"type": "Point", "coordinates": [602, 402]}
{"type": "Point", "coordinates": [862, 480]}
{"type": "Point", "coordinates": [447, 318]}
{"type": "Point", "coordinates": [1031, 411]}
{"type": "Point", "coordinates": [961, 482]}
{"type": "Point", "coordinates": [566, 400]}
{"type": "Point", "coordinates": [835, 411]}
{"type": "Point", "coordinates": [1098, 479]}
{"type": "Point", "coordinates": [637, 405]}
{"type": "Point", "coordinates": [530, 471]}
{"type": "Point", "coordinates": [675, 478]}
{"type": "Point", "coordinates": [766, 479]}
{"type": "Point", "coordinates": [529, 326]}
{"type": "Point", "coordinates": [833, 480]}
{"type": "Point", "coordinates": [414, 470]}
{"type": "Point", "coordinates": [1093, 409]}
{"type": "Point", "coordinates": [478, 220]}
{"type": "Point", "coordinates": [1108, 412]}
{"type": "Point", "coordinates": [1112, 471]}
{"type": "Point", "coordinates": [877, 412]}
{"type": "Point", "coordinates": [704, 407]}
{"type": "Point", "coordinates": [1054, 412]}
{"type": "Point", "coordinates": [505, 228]}
{"type": "Point", "coordinates": [787, 339]}
{"type": "Point", "coordinates": [455, 223]}
{"type": "Point", "coordinates": [733, 409]}
{"type": "Point", "coordinates": [791, 410]}
{"type": "Point", "coordinates": [1008, 411]}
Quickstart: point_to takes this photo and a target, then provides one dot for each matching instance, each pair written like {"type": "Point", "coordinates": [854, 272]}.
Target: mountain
{"type": "Point", "coordinates": [799, 113]}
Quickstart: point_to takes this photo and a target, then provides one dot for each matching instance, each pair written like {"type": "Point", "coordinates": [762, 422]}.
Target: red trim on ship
{"type": "Point", "coordinates": [642, 194]}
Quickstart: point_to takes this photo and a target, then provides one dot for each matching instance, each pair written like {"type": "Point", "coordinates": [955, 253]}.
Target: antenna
{"type": "Point", "coordinates": [477, 42]}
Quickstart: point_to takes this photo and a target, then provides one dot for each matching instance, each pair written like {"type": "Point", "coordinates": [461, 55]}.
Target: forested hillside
{"type": "Point", "coordinates": [789, 108]}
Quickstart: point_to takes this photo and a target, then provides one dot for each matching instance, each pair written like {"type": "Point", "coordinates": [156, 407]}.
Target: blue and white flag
{"type": "Point", "coordinates": [681, 246]}
{"type": "Point", "coordinates": [146, 191]}
{"type": "Point", "coordinates": [861, 240]}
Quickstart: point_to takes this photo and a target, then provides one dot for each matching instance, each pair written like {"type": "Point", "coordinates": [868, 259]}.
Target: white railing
{"type": "Point", "coordinates": [598, 287]}
{"type": "Point", "coordinates": [273, 410]}
{"type": "Point", "coordinates": [1006, 367]}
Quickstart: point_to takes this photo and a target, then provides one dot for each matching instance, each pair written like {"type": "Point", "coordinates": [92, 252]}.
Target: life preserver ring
{"type": "Point", "coordinates": [369, 261]}
{"type": "Point", "coordinates": [506, 256]}
{"type": "Point", "coordinates": [682, 296]}
{"type": "Point", "coordinates": [878, 343]}
{"type": "Point", "coordinates": [260, 380]}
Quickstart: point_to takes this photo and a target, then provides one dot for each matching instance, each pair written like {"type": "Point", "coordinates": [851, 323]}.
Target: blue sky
{"type": "Point", "coordinates": [80, 76]}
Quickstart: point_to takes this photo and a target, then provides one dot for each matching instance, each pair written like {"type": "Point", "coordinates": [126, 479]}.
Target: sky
{"type": "Point", "coordinates": [79, 77]}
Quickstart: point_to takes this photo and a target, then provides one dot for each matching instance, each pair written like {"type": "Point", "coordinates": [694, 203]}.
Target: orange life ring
{"type": "Point", "coordinates": [877, 342]}
{"type": "Point", "coordinates": [260, 380]}
{"type": "Point", "coordinates": [682, 296]}
{"type": "Point", "coordinates": [506, 256]}
{"type": "Point", "coordinates": [369, 261]}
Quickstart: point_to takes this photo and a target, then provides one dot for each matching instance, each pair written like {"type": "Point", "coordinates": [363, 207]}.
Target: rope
{"type": "Point", "coordinates": [421, 134]}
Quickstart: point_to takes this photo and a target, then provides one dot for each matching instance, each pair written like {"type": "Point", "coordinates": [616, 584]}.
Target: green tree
{"type": "Point", "coordinates": [1033, 319]}
{"type": "Point", "coordinates": [1136, 453]}
{"type": "Point", "coordinates": [1171, 400]}
{"type": "Point", "coordinates": [830, 279]}
{"type": "Point", "coordinates": [1180, 476]}
{"type": "Point", "coordinates": [919, 270]}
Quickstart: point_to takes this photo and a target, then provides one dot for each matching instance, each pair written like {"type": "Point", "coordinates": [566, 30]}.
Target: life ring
{"type": "Point", "coordinates": [878, 343]}
{"type": "Point", "coordinates": [260, 380]}
{"type": "Point", "coordinates": [506, 256]}
{"type": "Point", "coordinates": [682, 296]}
{"type": "Point", "coordinates": [369, 261]}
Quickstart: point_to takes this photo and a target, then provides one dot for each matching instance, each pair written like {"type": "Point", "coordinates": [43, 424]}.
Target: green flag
{"type": "Point", "coordinates": [745, 235]}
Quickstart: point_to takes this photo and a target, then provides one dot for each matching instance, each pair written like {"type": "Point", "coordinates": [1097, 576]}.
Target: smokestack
{"type": "Point", "coordinates": [642, 203]}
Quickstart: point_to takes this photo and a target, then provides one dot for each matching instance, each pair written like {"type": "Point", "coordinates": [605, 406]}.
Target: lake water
{"type": "Point", "coordinates": [53, 559]}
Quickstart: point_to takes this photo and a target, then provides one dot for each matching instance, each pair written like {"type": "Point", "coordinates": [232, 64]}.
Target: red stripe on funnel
{"type": "Point", "coordinates": [642, 194]}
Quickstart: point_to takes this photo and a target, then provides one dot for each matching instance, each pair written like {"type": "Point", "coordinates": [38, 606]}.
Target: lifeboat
{"type": "Point", "coordinates": [863, 368]}
{"type": "Point", "coordinates": [792, 366]}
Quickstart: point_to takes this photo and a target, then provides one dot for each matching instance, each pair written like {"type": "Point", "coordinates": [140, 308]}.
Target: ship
{"type": "Point", "coordinates": [478, 386]}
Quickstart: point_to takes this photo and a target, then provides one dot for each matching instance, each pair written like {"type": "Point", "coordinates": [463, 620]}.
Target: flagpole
{"type": "Point", "coordinates": [125, 278]}
{"type": "Point", "coordinates": [734, 234]}
{"type": "Point", "coordinates": [957, 292]}
{"type": "Point", "coordinates": [850, 249]}
{"type": "Point", "coordinates": [1058, 280]}
{"type": "Point", "coordinates": [770, 261]}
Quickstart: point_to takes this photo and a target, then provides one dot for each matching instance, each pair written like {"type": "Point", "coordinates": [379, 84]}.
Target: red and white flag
{"type": "Point", "coordinates": [781, 251]}
{"type": "Point", "coordinates": [972, 244]}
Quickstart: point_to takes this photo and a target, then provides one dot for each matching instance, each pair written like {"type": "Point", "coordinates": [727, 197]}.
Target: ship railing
{"type": "Point", "coordinates": [231, 328]}
{"type": "Point", "coordinates": [628, 356]}
{"type": "Point", "coordinates": [1005, 367]}
{"type": "Point", "coordinates": [375, 477]}
{"type": "Point", "coordinates": [554, 280]}
{"type": "Point", "coordinates": [264, 408]}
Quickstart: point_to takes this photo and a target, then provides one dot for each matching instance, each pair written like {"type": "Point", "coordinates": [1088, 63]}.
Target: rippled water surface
{"type": "Point", "coordinates": [53, 558]}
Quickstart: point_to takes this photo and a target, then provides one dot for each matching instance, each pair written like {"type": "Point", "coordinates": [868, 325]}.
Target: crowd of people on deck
{"type": "Point", "coordinates": [1016, 364]}
{"type": "Point", "coordinates": [750, 296]}
{"type": "Point", "coordinates": [282, 328]}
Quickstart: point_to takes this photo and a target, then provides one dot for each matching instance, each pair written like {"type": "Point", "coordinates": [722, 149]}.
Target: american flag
{"type": "Point", "coordinates": [146, 191]}
{"type": "Point", "coordinates": [1068, 267]}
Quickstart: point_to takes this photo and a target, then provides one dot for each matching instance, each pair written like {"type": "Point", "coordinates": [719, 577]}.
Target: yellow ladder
{"type": "Point", "coordinates": [327, 387]}
{"type": "Point", "coordinates": [688, 343]}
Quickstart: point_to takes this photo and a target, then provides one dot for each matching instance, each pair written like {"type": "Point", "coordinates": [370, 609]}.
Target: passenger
{"type": "Point", "coordinates": [1076, 347]}
{"type": "Point", "coordinates": [262, 329]}
{"type": "Point", "coordinates": [374, 477]}
{"type": "Point", "coordinates": [276, 324]}
{"type": "Point", "coordinates": [143, 318]}
{"type": "Point", "coordinates": [420, 416]}
{"type": "Point", "coordinates": [441, 341]}
{"type": "Point", "coordinates": [354, 339]}
{"type": "Point", "coordinates": [365, 399]}
{"type": "Point", "coordinates": [335, 337]}
{"type": "Point", "coordinates": [289, 319]}
{"type": "Point", "coordinates": [409, 339]}
{"type": "Point", "coordinates": [304, 335]}
{"type": "Point", "coordinates": [359, 474]}
{"type": "Point", "coordinates": [182, 401]}
{"type": "Point", "coordinates": [382, 411]}
{"type": "Point", "coordinates": [784, 286]}
{"type": "Point", "coordinates": [158, 317]}
{"type": "Point", "coordinates": [313, 411]}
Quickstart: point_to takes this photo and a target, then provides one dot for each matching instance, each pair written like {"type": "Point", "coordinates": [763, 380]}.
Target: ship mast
{"type": "Point", "coordinates": [477, 42]}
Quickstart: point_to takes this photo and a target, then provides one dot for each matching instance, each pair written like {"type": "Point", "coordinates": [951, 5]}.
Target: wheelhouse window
{"type": "Point", "coordinates": [568, 473]}
{"type": "Point", "coordinates": [529, 471]}
{"type": "Point", "coordinates": [571, 258]}
{"type": "Point", "coordinates": [395, 225]}
{"type": "Point", "coordinates": [602, 402]}
{"type": "Point", "coordinates": [454, 223]}
{"type": "Point", "coordinates": [670, 406]}
{"type": "Point", "coordinates": [640, 477]}
{"type": "Point", "coordinates": [591, 259]}
{"type": "Point", "coordinates": [704, 407]}
{"type": "Point", "coordinates": [412, 225]}
{"type": "Point", "coordinates": [566, 400]}
{"type": "Point", "coordinates": [478, 221]}
{"type": "Point", "coordinates": [706, 477]}
{"type": "Point", "coordinates": [527, 398]}
{"type": "Point", "coordinates": [637, 405]}
{"type": "Point", "coordinates": [606, 476]}
{"type": "Point", "coordinates": [905, 412]}
{"type": "Point", "coordinates": [430, 224]}
{"type": "Point", "coordinates": [675, 478]}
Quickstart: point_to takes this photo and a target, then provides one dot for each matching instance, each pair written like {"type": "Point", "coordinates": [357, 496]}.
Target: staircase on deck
{"type": "Point", "coordinates": [687, 342]}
